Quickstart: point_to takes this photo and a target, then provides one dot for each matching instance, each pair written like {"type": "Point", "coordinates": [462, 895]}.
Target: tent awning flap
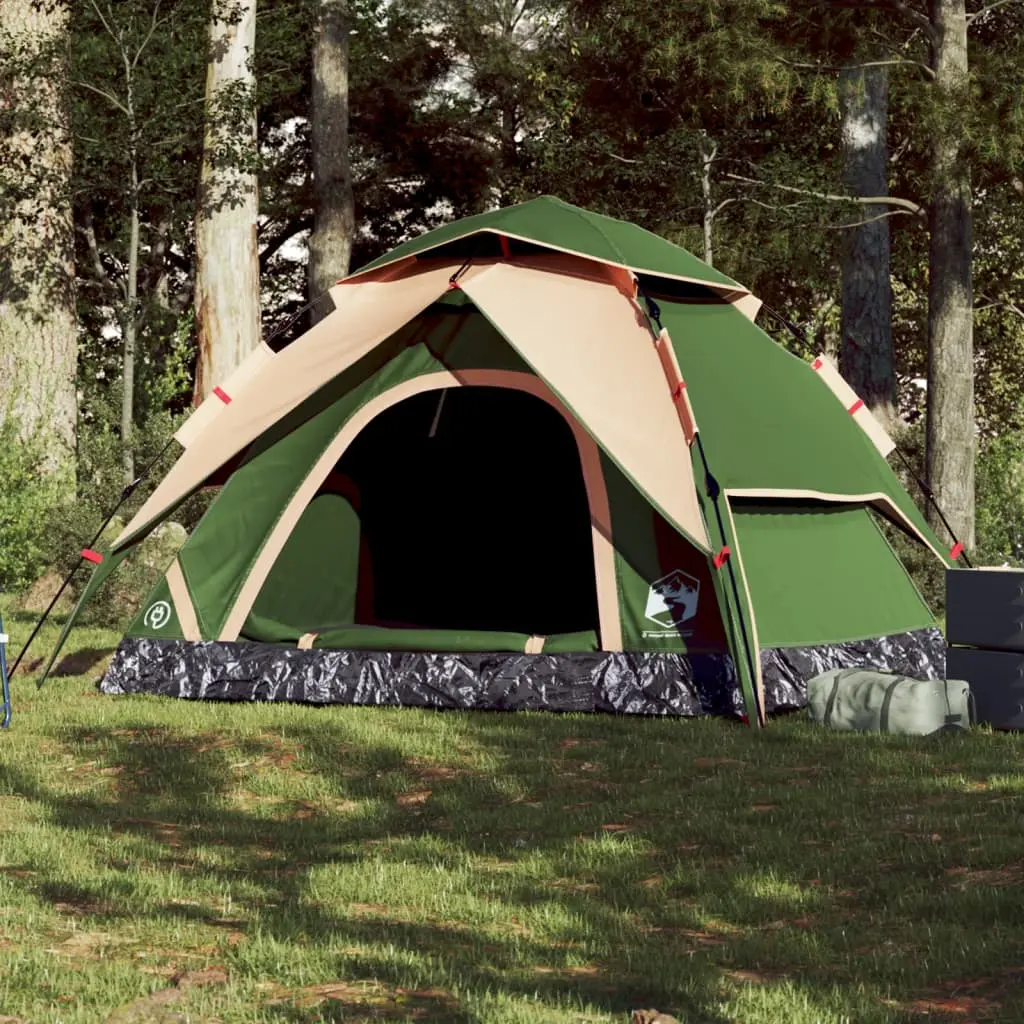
{"type": "Point", "coordinates": [593, 348]}
{"type": "Point", "coordinates": [225, 392]}
{"type": "Point", "coordinates": [366, 313]}
{"type": "Point", "coordinates": [852, 403]}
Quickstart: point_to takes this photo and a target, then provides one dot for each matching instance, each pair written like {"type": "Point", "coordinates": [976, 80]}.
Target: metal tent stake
{"type": "Point", "coordinates": [4, 681]}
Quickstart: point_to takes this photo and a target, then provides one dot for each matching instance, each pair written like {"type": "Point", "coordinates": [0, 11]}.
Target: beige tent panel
{"type": "Point", "coordinates": [594, 349]}
{"type": "Point", "coordinates": [571, 319]}
{"type": "Point", "coordinates": [227, 391]}
{"type": "Point", "coordinates": [365, 314]}
{"type": "Point", "coordinates": [222, 395]}
{"type": "Point", "coordinates": [853, 404]}
{"type": "Point", "coordinates": [881, 501]}
{"type": "Point", "coordinates": [749, 305]}
{"type": "Point", "coordinates": [676, 385]}
{"type": "Point", "coordinates": [183, 606]}
{"type": "Point", "coordinates": [390, 271]}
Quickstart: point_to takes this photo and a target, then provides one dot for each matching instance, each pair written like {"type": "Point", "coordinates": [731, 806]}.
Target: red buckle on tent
{"type": "Point", "coordinates": [956, 551]}
{"type": "Point", "coordinates": [679, 389]}
{"type": "Point", "coordinates": [721, 558]}
{"type": "Point", "coordinates": [92, 556]}
{"type": "Point", "coordinates": [454, 284]}
{"type": "Point", "coordinates": [856, 407]}
{"type": "Point", "coordinates": [222, 395]}
{"type": "Point", "coordinates": [817, 364]}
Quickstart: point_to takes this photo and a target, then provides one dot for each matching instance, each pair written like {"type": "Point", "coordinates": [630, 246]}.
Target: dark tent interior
{"type": "Point", "coordinates": [474, 514]}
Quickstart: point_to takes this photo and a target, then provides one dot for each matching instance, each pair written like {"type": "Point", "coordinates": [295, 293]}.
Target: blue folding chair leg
{"type": "Point", "coordinates": [4, 682]}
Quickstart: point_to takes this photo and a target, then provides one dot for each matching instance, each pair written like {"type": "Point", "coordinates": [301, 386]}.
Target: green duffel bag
{"type": "Point", "coordinates": [853, 699]}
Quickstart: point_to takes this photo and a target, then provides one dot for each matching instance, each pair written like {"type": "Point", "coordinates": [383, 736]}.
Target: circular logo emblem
{"type": "Point", "coordinates": [157, 615]}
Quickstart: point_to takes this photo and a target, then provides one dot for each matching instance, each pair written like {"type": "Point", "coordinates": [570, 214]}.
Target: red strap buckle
{"type": "Point", "coordinates": [222, 395]}
{"type": "Point", "coordinates": [454, 284]}
{"type": "Point", "coordinates": [679, 389]}
{"type": "Point", "coordinates": [956, 551]}
{"type": "Point", "coordinates": [817, 364]}
{"type": "Point", "coordinates": [856, 407]}
{"type": "Point", "coordinates": [721, 558]}
{"type": "Point", "coordinates": [92, 556]}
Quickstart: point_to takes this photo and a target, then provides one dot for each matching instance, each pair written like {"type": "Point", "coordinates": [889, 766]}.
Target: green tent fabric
{"type": "Point", "coordinates": [766, 420]}
{"type": "Point", "coordinates": [316, 577]}
{"type": "Point", "coordinates": [820, 574]}
{"type": "Point", "coordinates": [548, 220]}
{"type": "Point", "coordinates": [437, 494]}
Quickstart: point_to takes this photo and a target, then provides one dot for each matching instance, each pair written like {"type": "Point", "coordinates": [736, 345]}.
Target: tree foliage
{"type": "Point", "coordinates": [716, 124]}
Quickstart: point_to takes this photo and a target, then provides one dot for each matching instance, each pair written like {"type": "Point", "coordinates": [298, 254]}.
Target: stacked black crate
{"type": "Point", "coordinates": [985, 641]}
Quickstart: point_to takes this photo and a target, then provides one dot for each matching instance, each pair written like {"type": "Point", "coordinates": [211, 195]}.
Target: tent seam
{"type": "Point", "coordinates": [910, 579]}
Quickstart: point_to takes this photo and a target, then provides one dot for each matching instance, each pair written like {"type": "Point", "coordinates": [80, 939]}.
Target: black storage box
{"type": "Point", "coordinates": [985, 608]}
{"type": "Point", "coordinates": [985, 637]}
{"type": "Point", "coordinates": [996, 679]}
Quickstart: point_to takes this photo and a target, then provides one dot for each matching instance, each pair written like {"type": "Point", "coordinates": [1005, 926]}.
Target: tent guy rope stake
{"type": "Point", "coordinates": [4, 679]}
{"type": "Point", "coordinates": [88, 554]}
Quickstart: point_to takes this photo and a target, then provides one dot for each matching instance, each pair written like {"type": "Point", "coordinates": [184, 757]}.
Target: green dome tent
{"type": "Point", "coordinates": [537, 458]}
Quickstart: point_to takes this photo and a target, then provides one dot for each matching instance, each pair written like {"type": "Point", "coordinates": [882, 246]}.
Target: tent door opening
{"type": "Point", "coordinates": [474, 515]}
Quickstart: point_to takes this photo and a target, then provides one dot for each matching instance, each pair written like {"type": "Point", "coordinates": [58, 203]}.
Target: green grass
{"type": "Point", "coordinates": [345, 864]}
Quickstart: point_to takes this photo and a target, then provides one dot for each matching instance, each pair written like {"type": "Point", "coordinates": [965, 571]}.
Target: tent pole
{"type": "Point", "coordinates": [925, 489]}
{"type": "Point", "coordinates": [277, 332]}
{"type": "Point", "coordinates": [125, 495]}
{"type": "Point", "coordinates": [930, 495]}
{"type": "Point", "coordinates": [714, 492]}
{"type": "Point", "coordinates": [4, 678]}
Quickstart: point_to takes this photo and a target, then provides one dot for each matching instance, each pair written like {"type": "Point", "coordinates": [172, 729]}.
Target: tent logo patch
{"type": "Point", "coordinates": [672, 601]}
{"type": "Point", "coordinates": [157, 615]}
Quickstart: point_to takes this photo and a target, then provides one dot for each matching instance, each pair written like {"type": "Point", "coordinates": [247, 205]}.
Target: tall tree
{"type": "Point", "coordinates": [951, 116]}
{"type": "Point", "coordinates": [497, 49]}
{"type": "Point", "coordinates": [227, 272]}
{"type": "Point", "coordinates": [330, 245]}
{"type": "Point", "coordinates": [866, 352]}
{"type": "Point", "coordinates": [123, 69]}
{"type": "Point", "coordinates": [950, 425]}
{"type": "Point", "coordinates": [38, 339]}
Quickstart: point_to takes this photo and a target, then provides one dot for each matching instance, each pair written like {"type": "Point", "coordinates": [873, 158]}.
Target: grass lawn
{"type": "Point", "coordinates": [171, 861]}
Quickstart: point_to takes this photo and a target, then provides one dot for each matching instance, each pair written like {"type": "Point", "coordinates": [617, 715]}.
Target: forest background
{"type": "Point", "coordinates": [179, 178]}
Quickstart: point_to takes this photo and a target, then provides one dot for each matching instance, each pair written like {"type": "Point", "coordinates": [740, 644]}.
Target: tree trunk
{"type": "Point", "coordinates": [227, 276]}
{"type": "Point", "coordinates": [330, 245]}
{"type": "Point", "coordinates": [38, 339]}
{"type": "Point", "coordinates": [508, 128]}
{"type": "Point", "coordinates": [950, 430]}
{"type": "Point", "coordinates": [131, 318]}
{"type": "Point", "coordinates": [708, 152]}
{"type": "Point", "coordinates": [866, 352]}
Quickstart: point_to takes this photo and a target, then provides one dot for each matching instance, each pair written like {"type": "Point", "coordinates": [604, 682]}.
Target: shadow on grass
{"type": "Point", "coordinates": [672, 875]}
{"type": "Point", "coordinates": [80, 662]}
